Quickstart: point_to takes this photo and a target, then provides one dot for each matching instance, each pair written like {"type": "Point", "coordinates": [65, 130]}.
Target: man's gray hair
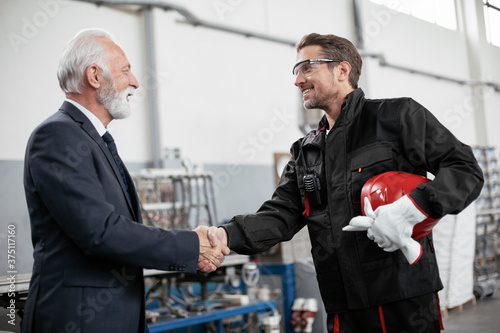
{"type": "Point", "coordinates": [82, 51]}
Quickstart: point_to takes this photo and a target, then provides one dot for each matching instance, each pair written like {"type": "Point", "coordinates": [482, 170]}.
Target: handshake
{"type": "Point", "coordinates": [213, 247]}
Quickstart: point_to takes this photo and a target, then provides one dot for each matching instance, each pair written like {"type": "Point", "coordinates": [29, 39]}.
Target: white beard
{"type": "Point", "coordinates": [115, 102]}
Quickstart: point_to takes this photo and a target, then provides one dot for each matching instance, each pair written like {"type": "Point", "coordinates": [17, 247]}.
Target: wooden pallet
{"type": "Point", "coordinates": [459, 308]}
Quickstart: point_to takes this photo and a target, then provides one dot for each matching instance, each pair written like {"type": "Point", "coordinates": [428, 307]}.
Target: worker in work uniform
{"type": "Point", "coordinates": [366, 283]}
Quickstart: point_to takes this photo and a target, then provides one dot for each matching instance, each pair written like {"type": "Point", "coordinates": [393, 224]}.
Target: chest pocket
{"type": "Point", "coordinates": [367, 162]}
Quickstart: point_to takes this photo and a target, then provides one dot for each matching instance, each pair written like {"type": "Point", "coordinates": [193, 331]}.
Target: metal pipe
{"type": "Point", "coordinates": [488, 4]}
{"type": "Point", "coordinates": [243, 32]}
{"type": "Point", "coordinates": [358, 26]}
{"type": "Point", "coordinates": [383, 63]}
{"type": "Point", "coordinates": [193, 19]}
{"type": "Point", "coordinates": [153, 94]}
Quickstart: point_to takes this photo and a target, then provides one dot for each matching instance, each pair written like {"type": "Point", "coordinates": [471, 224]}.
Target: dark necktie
{"type": "Point", "coordinates": [114, 152]}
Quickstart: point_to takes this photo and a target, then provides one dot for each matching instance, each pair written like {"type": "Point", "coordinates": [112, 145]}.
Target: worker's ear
{"type": "Point", "coordinates": [343, 70]}
{"type": "Point", "coordinates": [93, 74]}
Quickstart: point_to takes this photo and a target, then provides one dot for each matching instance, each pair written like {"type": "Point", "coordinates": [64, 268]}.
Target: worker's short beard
{"type": "Point", "coordinates": [115, 102]}
{"type": "Point", "coordinates": [313, 104]}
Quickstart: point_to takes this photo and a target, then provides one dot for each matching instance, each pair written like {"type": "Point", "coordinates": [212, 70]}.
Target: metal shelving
{"type": "Point", "coordinates": [487, 222]}
{"type": "Point", "coordinates": [176, 199]}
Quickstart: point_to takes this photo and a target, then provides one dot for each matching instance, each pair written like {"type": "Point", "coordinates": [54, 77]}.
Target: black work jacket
{"type": "Point", "coordinates": [369, 137]}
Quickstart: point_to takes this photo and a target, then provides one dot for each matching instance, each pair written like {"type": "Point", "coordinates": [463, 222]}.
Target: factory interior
{"type": "Point", "coordinates": [211, 128]}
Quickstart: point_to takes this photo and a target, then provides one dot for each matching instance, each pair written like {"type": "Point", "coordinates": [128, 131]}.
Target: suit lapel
{"type": "Point", "coordinates": [89, 128]}
{"type": "Point", "coordinates": [133, 196]}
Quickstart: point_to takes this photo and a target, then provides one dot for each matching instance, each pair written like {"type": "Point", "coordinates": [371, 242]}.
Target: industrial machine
{"type": "Point", "coordinates": [178, 199]}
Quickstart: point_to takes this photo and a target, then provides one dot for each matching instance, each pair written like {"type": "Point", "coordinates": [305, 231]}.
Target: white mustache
{"type": "Point", "coordinates": [130, 91]}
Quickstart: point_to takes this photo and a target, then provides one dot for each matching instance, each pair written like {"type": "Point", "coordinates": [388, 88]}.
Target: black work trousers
{"type": "Point", "coordinates": [414, 315]}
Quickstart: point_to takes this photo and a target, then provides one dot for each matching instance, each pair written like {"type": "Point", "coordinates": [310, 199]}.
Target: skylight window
{"type": "Point", "coordinates": [440, 12]}
{"type": "Point", "coordinates": [492, 21]}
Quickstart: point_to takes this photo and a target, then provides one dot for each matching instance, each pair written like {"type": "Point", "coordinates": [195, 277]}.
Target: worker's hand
{"type": "Point", "coordinates": [391, 226]}
{"type": "Point", "coordinates": [217, 235]}
{"type": "Point", "coordinates": [211, 257]}
{"type": "Point", "coordinates": [362, 223]}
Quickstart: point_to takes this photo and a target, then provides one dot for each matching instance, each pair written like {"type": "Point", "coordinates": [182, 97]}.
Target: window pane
{"type": "Point", "coordinates": [487, 23]}
{"type": "Point", "coordinates": [494, 26]}
{"type": "Point", "coordinates": [441, 12]}
{"type": "Point", "coordinates": [402, 6]}
{"type": "Point", "coordinates": [495, 3]}
{"type": "Point", "coordinates": [423, 9]}
{"type": "Point", "coordinates": [446, 14]}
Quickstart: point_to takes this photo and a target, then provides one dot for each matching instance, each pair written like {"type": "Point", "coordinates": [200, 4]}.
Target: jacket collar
{"type": "Point", "coordinates": [73, 112]}
{"type": "Point", "coordinates": [350, 107]}
{"type": "Point", "coordinates": [78, 116]}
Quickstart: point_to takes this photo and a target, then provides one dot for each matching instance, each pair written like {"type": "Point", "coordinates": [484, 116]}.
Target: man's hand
{"type": "Point", "coordinates": [217, 235]}
{"type": "Point", "coordinates": [391, 226]}
{"type": "Point", "coordinates": [211, 257]}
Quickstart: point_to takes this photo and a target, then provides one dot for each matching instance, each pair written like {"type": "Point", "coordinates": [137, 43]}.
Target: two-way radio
{"type": "Point", "coordinates": [312, 183]}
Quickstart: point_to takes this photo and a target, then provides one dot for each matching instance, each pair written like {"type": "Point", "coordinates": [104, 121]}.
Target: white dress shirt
{"type": "Point", "coordinates": [99, 126]}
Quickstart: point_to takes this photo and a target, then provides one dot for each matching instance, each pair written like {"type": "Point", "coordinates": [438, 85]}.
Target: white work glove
{"type": "Point", "coordinates": [391, 226]}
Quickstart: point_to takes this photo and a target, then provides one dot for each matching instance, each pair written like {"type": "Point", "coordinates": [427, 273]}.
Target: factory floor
{"type": "Point", "coordinates": [482, 317]}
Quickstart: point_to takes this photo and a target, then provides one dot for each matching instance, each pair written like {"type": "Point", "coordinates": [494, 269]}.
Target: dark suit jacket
{"type": "Point", "coordinates": [90, 245]}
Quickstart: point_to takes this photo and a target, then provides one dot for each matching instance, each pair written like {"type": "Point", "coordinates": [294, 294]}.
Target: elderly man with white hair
{"type": "Point", "coordinates": [90, 245]}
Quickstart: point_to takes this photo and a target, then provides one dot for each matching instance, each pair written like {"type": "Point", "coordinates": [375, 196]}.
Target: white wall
{"type": "Point", "coordinates": [226, 98]}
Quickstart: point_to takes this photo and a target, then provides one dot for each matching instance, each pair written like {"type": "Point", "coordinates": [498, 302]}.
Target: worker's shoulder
{"type": "Point", "coordinates": [388, 101]}
{"type": "Point", "coordinates": [396, 105]}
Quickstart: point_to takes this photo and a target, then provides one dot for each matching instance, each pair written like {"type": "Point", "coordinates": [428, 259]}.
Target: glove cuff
{"type": "Point", "coordinates": [411, 211]}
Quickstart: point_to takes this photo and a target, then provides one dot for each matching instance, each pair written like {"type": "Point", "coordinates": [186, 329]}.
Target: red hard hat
{"type": "Point", "coordinates": [390, 186]}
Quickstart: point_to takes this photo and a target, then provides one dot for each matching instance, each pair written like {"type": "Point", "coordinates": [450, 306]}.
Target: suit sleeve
{"type": "Point", "coordinates": [431, 146]}
{"type": "Point", "coordinates": [66, 171]}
